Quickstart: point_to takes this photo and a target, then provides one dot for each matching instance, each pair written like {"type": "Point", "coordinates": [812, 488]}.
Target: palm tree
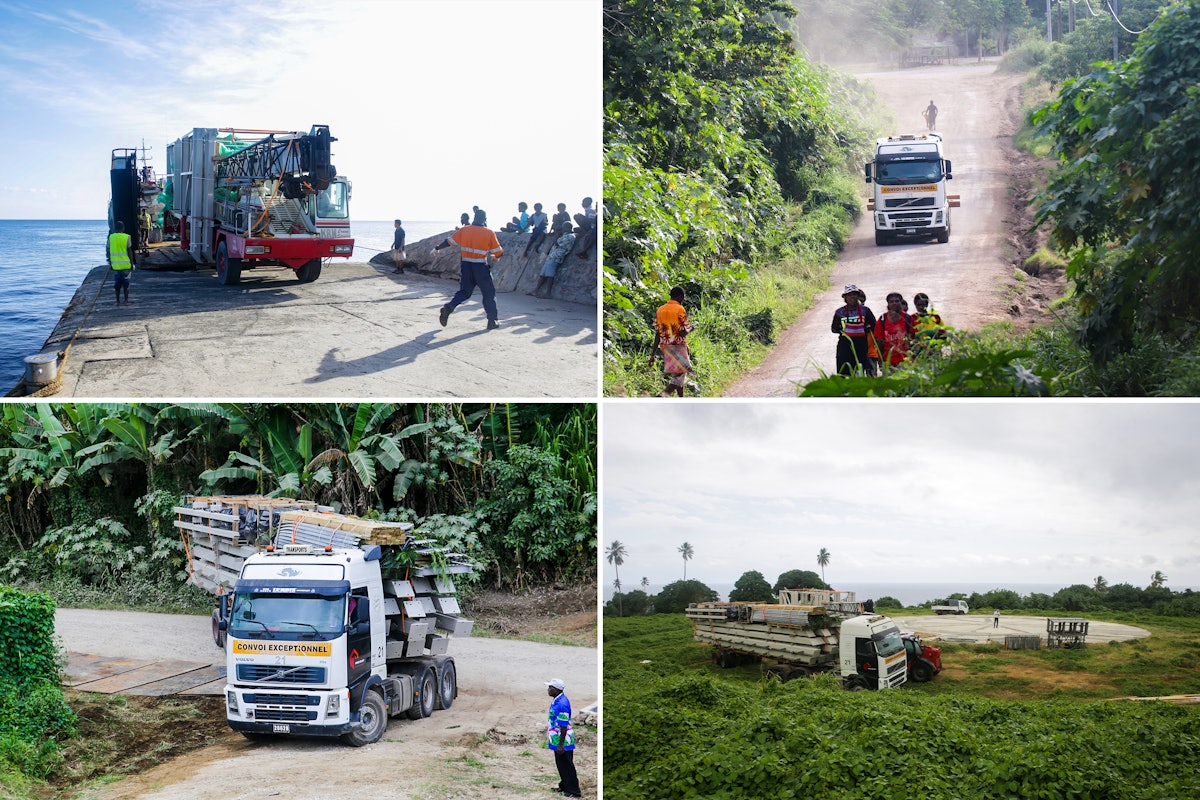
{"type": "Point", "coordinates": [687, 552]}
{"type": "Point", "coordinates": [615, 554]}
{"type": "Point", "coordinates": [1100, 585]}
{"type": "Point", "coordinates": [823, 559]}
{"type": "Point", "coordinates": [645, 585]}
{"type": "Point", "coordinates": [1157, 579]}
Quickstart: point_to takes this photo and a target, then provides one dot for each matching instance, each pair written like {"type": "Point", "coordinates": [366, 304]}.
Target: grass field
{"type": "Point", "coordinates": [995, 724]}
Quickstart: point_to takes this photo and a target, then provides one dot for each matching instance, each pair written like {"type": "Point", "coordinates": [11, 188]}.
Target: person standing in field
{"type": "Point", "coordinates": [479, 247]}
{"type": "Point", "coordinates": [894, 331]}
{"type": "Point", "coordinates": [120, 259]}
{"type": "Point", "coordinates": [561, 738]}
{"type": "Point", "coordinates": [854, 325]}
{"type": "Point", "coordinates": [671, 328]}
{"type": "Point", "coordinates": [996, 618]}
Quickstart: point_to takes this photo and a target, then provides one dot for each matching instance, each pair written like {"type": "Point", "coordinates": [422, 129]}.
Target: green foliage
{"type": "Point", "coordinates": [629, 604]}
{"type": "Point", "coordinates": [799, 579]}
{"type": "Point", "coordinates": [677, 595]}
{"type": "Point", "coordinates": [1123, 198]}
{"type": "Point", "coordinates": [752, 587]}
{"type": "Point", "coordinates": [538, 536]}
{"type": "Point", "coordinates": [887, 601]}
{"type": "Point", "coordinates": [751, 738]}
{"type": "Point", "coordinates": [33, 714]}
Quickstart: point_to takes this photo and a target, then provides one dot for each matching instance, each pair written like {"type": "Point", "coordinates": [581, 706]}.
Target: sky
{"type": "Point", "coordinates": [907, 492]}
{"type": "Point", "coordinates": [437, 105]}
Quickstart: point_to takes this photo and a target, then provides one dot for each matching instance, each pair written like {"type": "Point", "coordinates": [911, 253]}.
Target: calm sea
{"type": "Point", "coordinates": [910, 594]}
{"type": "Point", "coordinates": [46, 260]}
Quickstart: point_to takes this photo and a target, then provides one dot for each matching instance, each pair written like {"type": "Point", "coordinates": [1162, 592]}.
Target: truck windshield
{"type": "Point", "coordinates": [268, 616]}
{"type": "Point", "coordinates": [888, 642]}
{"type": "Point", "coordinates": [896, 173]}
{"type": "Point", "coordinates": [334, 202]}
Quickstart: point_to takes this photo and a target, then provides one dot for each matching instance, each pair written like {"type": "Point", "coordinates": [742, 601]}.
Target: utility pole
{"type": "Point", "coordinates": [1049, 26]}
{"type": "Point", "coordinates": [1113, 7]}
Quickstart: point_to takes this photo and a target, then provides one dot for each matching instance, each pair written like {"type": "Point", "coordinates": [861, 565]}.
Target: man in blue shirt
{"type": "Point", "coordinates": [561, 739]}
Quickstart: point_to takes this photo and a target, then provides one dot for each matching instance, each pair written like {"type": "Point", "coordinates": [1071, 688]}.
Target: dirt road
{"type": "Point", "coordinates": [490, 743]}
{"type": "Point", "coordinates": [966, 278]}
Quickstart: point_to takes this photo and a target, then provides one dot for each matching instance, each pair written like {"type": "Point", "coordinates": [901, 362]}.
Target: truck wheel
{"type": "Point", "coordinates": [372, 720]}
{"type": "Point", "coordinates": [309, 271]}
{"type": "Point", "coordinates": [882, 238]}
{"type": "Point", "coordinates": [922, 672]}
{"type": "Point", "coordinates": [229, 270]}
{"type": "Point", "coordinates": [218, 634]}
{"type": "Point", "coordinates": [855, 683]}
{"type": "Point", "coordinates": [447, 685]}
{"type": "Point", "coordinates": [943, 236]}
{"type": "Point", "coordinates": [426, 694]}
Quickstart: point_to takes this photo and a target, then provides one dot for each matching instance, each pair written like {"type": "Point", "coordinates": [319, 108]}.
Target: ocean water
{"type": "Point", "coordinates": [910, 594]}
{"type": "Point", "coordinates": [46, 260]}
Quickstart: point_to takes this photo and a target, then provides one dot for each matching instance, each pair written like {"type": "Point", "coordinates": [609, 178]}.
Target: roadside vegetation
{"type": "Point", "coordinates": [88, 522]}
{"type": "Point", "coordinates": [731, 153]}
{"type": "Point", "coordinates": [737, 734]}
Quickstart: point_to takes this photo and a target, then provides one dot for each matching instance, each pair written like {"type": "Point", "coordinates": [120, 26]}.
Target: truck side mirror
{"type": "Point", "coordinates": [949, 171]}
{"type": "Point", "coordinates": [867, 172]}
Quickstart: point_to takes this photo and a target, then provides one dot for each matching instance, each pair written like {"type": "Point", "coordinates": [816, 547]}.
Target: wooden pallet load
{"type": "Point", "coordinates": [795, 634]}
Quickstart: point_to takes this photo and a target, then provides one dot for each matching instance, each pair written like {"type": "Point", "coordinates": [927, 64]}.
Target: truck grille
{"type": "Point", "coordinates": [919, 219]}
{"type": "Point", "coordinates": [267, 672]}
{"type": "Point", "coordinates": [283, 699]}
{"type": "Point", "coordinates": [912, 202]}
{"type": "Point", "coordinates": [899, 666]}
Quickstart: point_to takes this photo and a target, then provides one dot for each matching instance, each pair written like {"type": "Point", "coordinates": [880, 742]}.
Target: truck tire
{"type": "Point", "coordinates": [855, 683]}
{"type": "Point", "coordinates": [922, 672]}
{"type": "Point", "coordinates": [424, 694]}
{"type": "Point", "coordinates": [372, 720]}
{"type": "Point", "coordinates": [882, 238]}
{"type": "Point", "coordinates": [447, 685]}
{"type": "Point", "coordinates": [943, 236]}
{"type": "Point", "coordinates": [310, 271]}
{"type": "Point", "coordinates": [218, 634]}
{"type": "Point", "coordinates": [229, 270]}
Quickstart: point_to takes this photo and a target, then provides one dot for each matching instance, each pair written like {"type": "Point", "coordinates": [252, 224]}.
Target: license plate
{"type": "Point", "coordinates": [277, 728]}
{"type": "Point", "coordinates": [910, 230]}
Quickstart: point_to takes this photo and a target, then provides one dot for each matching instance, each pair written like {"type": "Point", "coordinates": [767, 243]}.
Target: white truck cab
{"type": "Point", "coordinates": [909, 198]}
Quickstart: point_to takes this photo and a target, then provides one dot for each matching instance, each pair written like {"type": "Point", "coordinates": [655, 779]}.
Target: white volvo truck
{"type": "Point", "coordinates": [909, 197]}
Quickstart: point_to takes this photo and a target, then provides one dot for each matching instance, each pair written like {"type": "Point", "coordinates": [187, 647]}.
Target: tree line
{"type": "Point", "coordinates": [90, 488]}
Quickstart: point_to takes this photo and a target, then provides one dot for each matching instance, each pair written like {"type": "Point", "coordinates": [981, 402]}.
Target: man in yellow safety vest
{"type": "Point", "coordinates": [120, 258]}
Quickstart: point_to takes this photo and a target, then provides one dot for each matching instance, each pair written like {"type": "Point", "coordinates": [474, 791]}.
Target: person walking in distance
{"type": "Point", "coordinates": [480, 248]}
{"type": "Point", "coordinates": [120, 258]}
{"type": "Point", "coordinates": [996, 618]}
{"type": "Point", "coordinates": [930, 114]}
{"type": "Point", "coordinates": [854, 323]}
{"type": "Point", "coordinates": [561, 738]}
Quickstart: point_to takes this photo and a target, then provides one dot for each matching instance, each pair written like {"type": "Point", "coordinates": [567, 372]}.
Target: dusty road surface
{"type": "Point", "coordinates": [979, 628]}
{"type": "Point", "coordinates": [358, 331]}
{"type": "Point", "coordinates": [490, 743]}
{"type": "Point", "coordinates": [966, 278]}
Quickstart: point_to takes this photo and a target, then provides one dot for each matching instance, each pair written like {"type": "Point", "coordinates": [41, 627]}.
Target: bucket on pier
{"type": "Point", "coordinates": [41, 369]}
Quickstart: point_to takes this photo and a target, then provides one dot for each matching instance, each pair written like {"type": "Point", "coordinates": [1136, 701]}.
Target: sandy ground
{"type": "Point", "coordinates": [966, 279]}
{"type": "Point", "coordinates": [358, 331]}
{"type": "Point", "coordinates": [490, 743]}
{"type": "Point", "coordinates": [979, 628]}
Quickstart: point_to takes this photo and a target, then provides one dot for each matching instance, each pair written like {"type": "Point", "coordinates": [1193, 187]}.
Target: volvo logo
{"type": "Point", "coordinates": [288, 572]}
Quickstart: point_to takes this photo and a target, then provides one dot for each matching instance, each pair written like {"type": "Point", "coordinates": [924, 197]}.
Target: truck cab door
{"type": "Point", "coordinates": [358, 638]}
{"type": "Point", "coordinates": [867, 661]}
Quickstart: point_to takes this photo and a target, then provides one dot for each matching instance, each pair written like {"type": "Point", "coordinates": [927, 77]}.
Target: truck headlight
{"type": "Point", "coordinates": [257, 249]}
{"type": "Point", "coordinates": [231, 702]}
{"type": "Point", "coordinates": [343, 248]}
{"type": "Point", "coordinates": [333, 705]}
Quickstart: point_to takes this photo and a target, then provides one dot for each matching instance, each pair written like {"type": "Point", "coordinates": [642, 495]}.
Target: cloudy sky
{"type": "Point", "coordinates": [437, 105]}
{"type": "Point", "coordinates": [904, 492]}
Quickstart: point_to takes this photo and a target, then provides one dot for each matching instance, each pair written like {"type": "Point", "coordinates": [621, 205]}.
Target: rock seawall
{"type": "Point", "coordinates": [513, 272]}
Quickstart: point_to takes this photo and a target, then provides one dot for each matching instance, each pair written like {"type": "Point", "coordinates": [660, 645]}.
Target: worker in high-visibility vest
{"type": "Point", "coordinates": [120, 258]}
{"type": "Point", "coordinates": [144, 224]}
{"type": "Point", "coordinates": [479, 247]}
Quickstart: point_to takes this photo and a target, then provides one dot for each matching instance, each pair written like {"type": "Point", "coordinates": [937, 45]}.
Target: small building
{"type": "Point", "coordinates": [1067, 632]}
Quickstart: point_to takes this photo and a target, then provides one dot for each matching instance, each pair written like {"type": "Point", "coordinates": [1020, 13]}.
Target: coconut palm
{"type": "Point", "coordinates": [645, 585]}
{"type": "Point", "coordinates": [1100, 584]}
{"type": "Point", "coordinates": [1157, 579]}
{"type": "Point", "coordinates": [615, 554]}
{"type": "Point", "coordinates": [823, 559]}
{"type": "Point", "coordinates": [687, 552]}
